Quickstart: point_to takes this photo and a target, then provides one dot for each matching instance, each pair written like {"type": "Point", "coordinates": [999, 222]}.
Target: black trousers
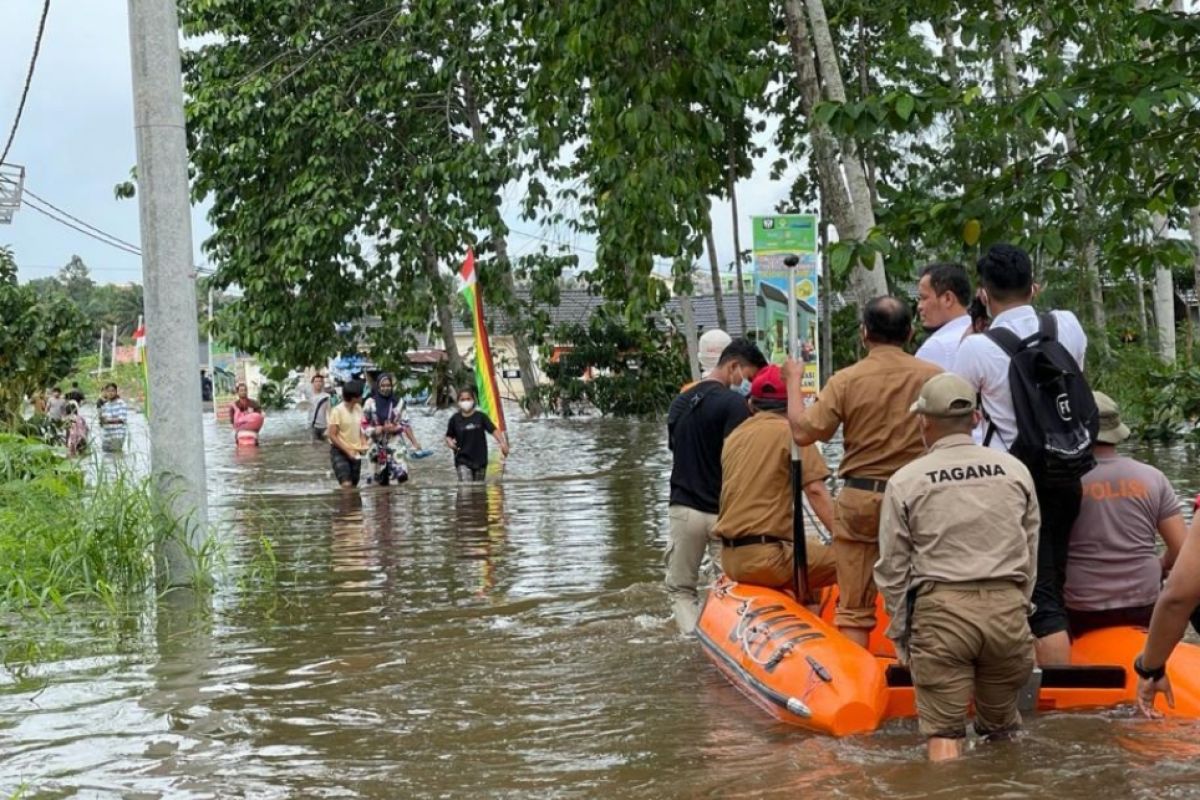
{"type": "Point", "coordinates": [1059, 507]}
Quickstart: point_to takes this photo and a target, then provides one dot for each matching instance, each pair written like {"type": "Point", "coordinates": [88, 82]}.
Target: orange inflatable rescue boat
{"type": "Point", "coordinates": [796, 666]}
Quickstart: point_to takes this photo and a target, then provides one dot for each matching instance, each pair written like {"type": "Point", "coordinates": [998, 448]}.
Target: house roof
{"type": "Point", "coordinates": [577, 306]}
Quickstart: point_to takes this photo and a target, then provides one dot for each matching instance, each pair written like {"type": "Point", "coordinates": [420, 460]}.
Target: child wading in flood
{"type": "Point", "coordinates": [347, 445]}
{"type": "Point", "coordinates": [466, 435]}
{"type": "Point", "coordinates": [114, 417]}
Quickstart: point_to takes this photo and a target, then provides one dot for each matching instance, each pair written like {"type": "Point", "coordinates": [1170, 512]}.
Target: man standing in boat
{"type": "Point", "coordinates": [869, 401]}
{"type": "Point", "coordinates": [1006, 288]}
{"type": "Point", "coordinates": [755, 522]}
{"type": "Point", "coordinates": [698, 421]}
{"type": "Point", "coordinates": [957, 559]}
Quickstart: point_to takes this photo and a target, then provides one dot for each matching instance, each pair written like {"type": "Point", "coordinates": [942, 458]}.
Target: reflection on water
{"type": "Point", "coordinates": [503, 639]}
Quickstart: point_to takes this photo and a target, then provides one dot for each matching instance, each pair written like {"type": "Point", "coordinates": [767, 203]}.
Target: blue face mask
{"type": "Point", "coordinates": [743, 388]}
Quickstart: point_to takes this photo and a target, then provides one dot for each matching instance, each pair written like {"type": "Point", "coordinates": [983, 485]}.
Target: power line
{"type": "Point", "coordinates": [103, 235]}
{"type": "Point", "coordinates": [84, 231]}
{"type": "Point", "coordinates": [37, 46]}
{"type": "Point", "coordinates": [87, 225]}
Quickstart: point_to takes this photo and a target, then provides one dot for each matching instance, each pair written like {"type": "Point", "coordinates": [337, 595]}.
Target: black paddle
{"type": "Point", "coordinates": [799, 543]}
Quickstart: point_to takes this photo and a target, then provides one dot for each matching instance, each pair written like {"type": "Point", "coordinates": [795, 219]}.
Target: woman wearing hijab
{"type": "Point", "coordinates": [385, 416]}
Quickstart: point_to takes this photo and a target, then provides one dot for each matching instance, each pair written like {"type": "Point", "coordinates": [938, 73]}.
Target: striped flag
{"type": "Point", "coordinates": [139, 343]}
{"type": "Point", "coordinates": [485, 369]}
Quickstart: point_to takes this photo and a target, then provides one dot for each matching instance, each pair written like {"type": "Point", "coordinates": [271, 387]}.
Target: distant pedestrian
{"type": "Point", "coordinates": [347, 445]}
{"type": "Point", "coordinates": [77, 430]}
{"type": "Point", "coordinates": [56, 405]}
{"type": "Point", "coordinates": [75, 394]}
{"type": "Point", "coordinates": [321, 401]}
{"type": "Point", "coordinates": [242, 404]}
{"type": "Point", "coordinates": [114, 420]}
{"type": "Point", "coordinates": [206, 387]}
{"type": "Point", "coordinates": [466, 435]}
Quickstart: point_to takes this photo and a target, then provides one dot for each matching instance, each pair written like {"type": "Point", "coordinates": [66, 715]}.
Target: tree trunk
{"type": "Point", "coordinates": [441, 297]}
{"type": "Point", "coordinates": [1004, 52]}
{"type": "Point", "coordinates": [1091, 253]}
{"type": "Point", "coordinates": [1194, 228]}
{"type": "Point", "coordinates": [718, 295]}
{"type": "Point", "coordinates": [1143, 323]}
{"type": "Point", "coordinates": [825, 351]}
{"type": "Point", "coordinates": [1164, 299]}
{"type": "Point", "coordinates": [737, 238]}
{"type": "Point", "coordinates": [950, 56]}
{"type": "Point", "coordinates": [529, 376]}
{"type": "Point", "coordinates": [689, 333]}
{"type": "Point", "coordinates": [836, 191]}
{"type": "Point", "coordinates": [835, 91]}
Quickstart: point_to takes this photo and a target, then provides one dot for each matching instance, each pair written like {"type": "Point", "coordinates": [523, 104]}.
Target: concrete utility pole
{"type": "Point", "coordinates": [176, 432]}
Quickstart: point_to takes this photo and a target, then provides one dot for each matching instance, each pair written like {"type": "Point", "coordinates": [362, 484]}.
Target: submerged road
{"type": "Point", "coordinates": [502, 640]}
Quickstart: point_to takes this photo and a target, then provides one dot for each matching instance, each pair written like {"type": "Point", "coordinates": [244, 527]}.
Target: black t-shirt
{"type": "Point", "coordinates": [697, 423]}
{"type": "Point", "coordinates": [471, 434]}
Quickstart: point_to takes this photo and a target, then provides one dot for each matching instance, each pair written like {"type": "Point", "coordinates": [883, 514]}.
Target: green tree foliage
{"type": "Point", "coordinates": [104, 305]}
{"type": "Point", "coordinates": [40, 338]}
{"type": "Point", "coordinates": [616, 369]}
{"type": "Point", "coordinates": [640, 100]}
{"type": "Point", "coordinates": [352, 151]}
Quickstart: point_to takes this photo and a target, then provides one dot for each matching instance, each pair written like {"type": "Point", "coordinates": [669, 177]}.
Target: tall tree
{"type": "Point", "coordinates": [40, 339]}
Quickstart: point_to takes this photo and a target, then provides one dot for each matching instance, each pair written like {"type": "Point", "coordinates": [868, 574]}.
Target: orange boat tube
{"type": "Point", "coordinates": [796, 666]}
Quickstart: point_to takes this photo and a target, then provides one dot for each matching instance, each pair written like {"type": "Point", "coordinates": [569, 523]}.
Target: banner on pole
{"type": "Point", "coordinates": [485, 370]}
{"type": "Point", "coordinates": [775, 238]}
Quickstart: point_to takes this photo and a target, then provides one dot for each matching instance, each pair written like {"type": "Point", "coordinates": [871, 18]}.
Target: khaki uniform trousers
{"type": "Point", "coordinates": [969, 640]}
{"type": "Point", "coordinates": [691, 536]}
{"type": "Point", "coordinates": [770, 564]}
{"type": "Point", "coordinates": [856, 549]}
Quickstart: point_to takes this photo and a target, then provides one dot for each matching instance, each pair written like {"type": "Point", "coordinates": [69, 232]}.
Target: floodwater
{"type": "Point", "coordinates": [502, 640]}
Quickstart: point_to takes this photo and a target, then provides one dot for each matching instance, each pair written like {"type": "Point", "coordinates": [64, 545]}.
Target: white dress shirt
{"type": "Point", "coordinates": [984, 365]}
{"type": "Point", "coordinates": [942, 345]}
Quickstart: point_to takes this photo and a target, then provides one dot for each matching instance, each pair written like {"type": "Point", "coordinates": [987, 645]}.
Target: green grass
{"type": "Point", "coordinates": [64, 538]}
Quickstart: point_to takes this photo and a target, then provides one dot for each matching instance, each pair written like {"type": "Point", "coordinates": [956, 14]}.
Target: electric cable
{"type": "Point", "coordinates": [37, 46]}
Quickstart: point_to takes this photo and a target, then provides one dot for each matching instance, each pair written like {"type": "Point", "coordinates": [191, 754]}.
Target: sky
{"type": "Point", "coordinates": [76, 142]}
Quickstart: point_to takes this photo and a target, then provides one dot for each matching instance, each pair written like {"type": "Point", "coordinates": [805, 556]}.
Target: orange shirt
{"type": "Point", "coordinates": [870, 400]}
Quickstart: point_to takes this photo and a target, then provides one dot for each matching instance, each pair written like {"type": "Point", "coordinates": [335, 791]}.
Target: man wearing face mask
{"type": "Point", "coordinates": [869, 401]}
{"type": "Point", "coordinates": [698, 421]}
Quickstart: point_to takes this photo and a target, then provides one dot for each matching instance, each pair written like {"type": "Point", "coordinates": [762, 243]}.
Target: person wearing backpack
{"type": "Point", "coordinates": [698, 421]}
{"type": "Point", "coordinates": [1028, 371]}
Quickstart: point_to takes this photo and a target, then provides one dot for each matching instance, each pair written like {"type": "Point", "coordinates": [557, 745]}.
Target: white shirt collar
{"type": "Point", "coordinates": [1013, 314]}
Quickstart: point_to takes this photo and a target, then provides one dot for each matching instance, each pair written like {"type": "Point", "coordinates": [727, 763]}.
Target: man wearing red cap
{"type": "Point", "coordinates": [755, 520]}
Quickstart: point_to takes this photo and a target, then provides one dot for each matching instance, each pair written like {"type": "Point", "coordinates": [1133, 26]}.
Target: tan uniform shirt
{"type": "Point", "coordinates": [960, 513]}
{"type": "Point", "coordinates": [756, 485]}
{"type": "Point", "coordinates": [871, 399]}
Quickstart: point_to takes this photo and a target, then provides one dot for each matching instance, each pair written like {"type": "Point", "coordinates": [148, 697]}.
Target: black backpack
{"type": "Point", "coordinates": [1057, 418]}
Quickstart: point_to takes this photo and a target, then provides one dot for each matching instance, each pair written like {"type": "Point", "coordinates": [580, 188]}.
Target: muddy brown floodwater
{"type": "Point", "coordinates": [502, 640]}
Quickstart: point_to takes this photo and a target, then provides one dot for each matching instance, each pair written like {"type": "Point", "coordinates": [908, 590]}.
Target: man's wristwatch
{"type": "Point", "coordinates": [1149, 674]}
